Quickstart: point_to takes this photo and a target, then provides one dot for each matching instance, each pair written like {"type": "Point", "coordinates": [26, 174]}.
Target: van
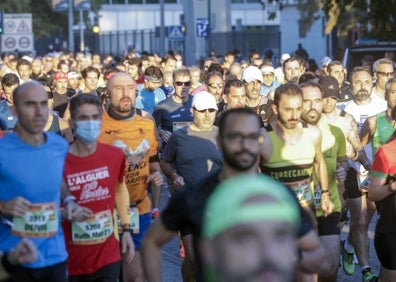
{"type": "Point", "coordinates": [353, 56]}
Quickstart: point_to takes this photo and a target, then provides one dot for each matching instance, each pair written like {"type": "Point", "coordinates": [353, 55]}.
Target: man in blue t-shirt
{"type": "Point", "coordinates": [31, 166]}
{"type": "Point", "coordinates": [175, 112]}
{"type": "Point", "coordinates": [151, 93]}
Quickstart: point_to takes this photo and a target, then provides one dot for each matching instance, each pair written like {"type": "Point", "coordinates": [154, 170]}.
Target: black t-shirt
{"type": "Point", "coordinates": [185, 211]}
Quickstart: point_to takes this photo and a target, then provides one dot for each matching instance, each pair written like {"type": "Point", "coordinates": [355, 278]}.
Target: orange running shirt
{"type": "Point", "coordinates": [136, 137]}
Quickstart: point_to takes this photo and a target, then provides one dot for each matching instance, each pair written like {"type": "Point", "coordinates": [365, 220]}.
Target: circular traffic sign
{"type": "Point", "coordinates": [9, 26]}
{"type": "Point", "coordinates": [10, 42]}
{"type": "Point", "coordinates": [24, 42]}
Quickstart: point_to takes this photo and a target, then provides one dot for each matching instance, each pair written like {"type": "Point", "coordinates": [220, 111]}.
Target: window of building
{"type": "Point", "coordinates": [245, 1]}
{"type": "Point", "coordinates": [121, 1]}
{"type": "Point", "coordinates": [143, 1]}
{"type": "Point", "coordinates": [302, 30]}
{"type": "Point", "coordinates": [157, 1]}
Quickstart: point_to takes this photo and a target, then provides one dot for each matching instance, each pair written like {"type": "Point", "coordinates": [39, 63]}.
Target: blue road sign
{"type": "Point", "coordinates": [175, 32]}
{"type": "Point", "coordinates": [202, 27]}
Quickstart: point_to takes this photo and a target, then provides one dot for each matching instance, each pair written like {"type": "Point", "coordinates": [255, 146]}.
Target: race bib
{"type": "Point", "coordinates": [302, 189]}
{"type": "Point", "coordinates": [41, 220]}
{"type": "Point", "coordinates": [179, 124]}
{"type": "Point", "coordinates": [317, 197]}
{"type": "Point", "coordinates": [134, 218]}
{"type": "Point", "coordinates": [94, 230]}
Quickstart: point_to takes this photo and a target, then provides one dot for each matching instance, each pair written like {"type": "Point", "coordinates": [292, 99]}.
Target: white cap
{"type": "Point", "coordinates": [72, 74]}
{"type": "Point", "coordinates": [267, 69]}
{"type": "Point", "coordinates": [284, 57]}
{"type": "Point", "coordinates": [204, 100]}
{"type": "Point", "coordinates": [252, 73]}
{"type": "Point", "coordinates": [28, 58]}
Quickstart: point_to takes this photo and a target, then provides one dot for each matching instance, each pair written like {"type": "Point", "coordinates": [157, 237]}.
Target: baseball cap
{"type": "Point", "coordinates": [284, 57]}
{"type": "Point", "coordinates": [60, 75]}
{"type": "Point", "coordinates": [267, 69]}
{"type": "Point", "coordinates": [329, 86]}
{"type": "Point", "coordinates": [248, 198]}
{"type": "Point", "coordinates": [252, 73]}
{"type": "Point", "coordinates": [72, 74]}
{"type": "Point", "coordinates": [325, 61]}
{"type": "Point", "coordinates": [204, 100]}
{"type": "Point", "coordinates": [28, 58]}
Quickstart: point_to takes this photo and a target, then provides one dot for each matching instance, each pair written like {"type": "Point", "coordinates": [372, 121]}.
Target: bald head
{"type": "Point", "coordinates": [119, 76]}
{"type": "Point", "coordinates": [31, 87]}
{"type": "Point", "coordinates": [122, 90]}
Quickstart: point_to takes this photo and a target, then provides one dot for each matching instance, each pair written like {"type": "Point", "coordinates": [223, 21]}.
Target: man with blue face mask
{"type": "Point", "coordinates": [94, 173]}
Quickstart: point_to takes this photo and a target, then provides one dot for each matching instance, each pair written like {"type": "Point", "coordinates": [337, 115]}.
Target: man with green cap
{"type": "Point", "coordinates": [251, 236]}
{"type": "Point", "coordinates": [240, 140]}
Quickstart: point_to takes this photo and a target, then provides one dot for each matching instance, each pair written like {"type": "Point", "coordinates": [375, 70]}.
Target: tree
{"type": "Point", "coordinates": [377, 17]}
{"type": "Point", "coordinates": [45, 20]}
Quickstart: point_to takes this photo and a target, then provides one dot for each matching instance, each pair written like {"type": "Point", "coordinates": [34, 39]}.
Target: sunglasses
{"type": "Point", "coordinates": [216, 85]}
{"type": "Point", "coordinates": [183, 83]}
{"type": "Point", "coordinates": [385, 73]}
{"type": "Point", "coordinates": [206, 110]}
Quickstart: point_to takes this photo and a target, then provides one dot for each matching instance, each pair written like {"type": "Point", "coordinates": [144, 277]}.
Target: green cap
{"type": "Point", "coordinates": [233, 203]}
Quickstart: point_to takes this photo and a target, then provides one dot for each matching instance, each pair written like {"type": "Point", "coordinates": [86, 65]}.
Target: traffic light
{"type": "Point", "coordinates": [1, 22]}
{"type": "Point", "coordinates": [95, 29]}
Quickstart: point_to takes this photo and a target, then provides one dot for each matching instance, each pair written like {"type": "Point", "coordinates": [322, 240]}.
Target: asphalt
{"type": "Point", "coordinates": [171, 262]}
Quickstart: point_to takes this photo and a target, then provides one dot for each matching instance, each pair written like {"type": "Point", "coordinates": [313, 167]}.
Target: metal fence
{"type": "Point", "coordinates": [148, 40]}
{"type": "Point", "coordinates": [117, 42]}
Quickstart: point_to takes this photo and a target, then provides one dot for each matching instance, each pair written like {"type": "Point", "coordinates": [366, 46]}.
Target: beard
{"type": "Point", "coordinates": [289, 124]}
{"type": "Point", "coordinates": [362, 95]}
{"type": "Point", "coordinates": [124, 108]}
{"type": "Point", "coordinates": [233, 160]}
{"type": "Point", "coordinates": [311, 117]}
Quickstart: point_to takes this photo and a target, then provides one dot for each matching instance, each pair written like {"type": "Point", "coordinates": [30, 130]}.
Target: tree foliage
{"type": "Point", "coordinates": [45, 20]}
{"type": "Point", "coordinates": [376, 17]}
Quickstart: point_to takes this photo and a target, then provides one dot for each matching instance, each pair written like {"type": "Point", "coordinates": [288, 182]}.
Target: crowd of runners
{"type": "Point", "coordinates": [265, 161]}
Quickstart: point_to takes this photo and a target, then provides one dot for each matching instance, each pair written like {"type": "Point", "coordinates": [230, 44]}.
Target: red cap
{"type": "Point", "coordinates": [60, 75]}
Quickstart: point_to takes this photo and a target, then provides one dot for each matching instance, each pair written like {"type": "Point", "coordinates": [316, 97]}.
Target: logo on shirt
{"type": "Point", "coordinates": [89, 184]}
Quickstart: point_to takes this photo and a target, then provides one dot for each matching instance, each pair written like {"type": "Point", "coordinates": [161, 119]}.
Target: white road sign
{"type": "Point", "coordinates": [10, 42]}
{"type": "Point", "coordinates": [18, 33]}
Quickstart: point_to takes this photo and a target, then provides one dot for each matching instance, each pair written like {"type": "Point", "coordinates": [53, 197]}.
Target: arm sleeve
{"type": "Point", "coordinates": [122, 202]}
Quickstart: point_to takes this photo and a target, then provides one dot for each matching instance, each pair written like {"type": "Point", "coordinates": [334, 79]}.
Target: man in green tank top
{"type": "Point", "coordinates": [296, 149]}
{"type": "Point", "coordinates": [333, 149]}
{"type": "Point", "coordinates": [377, 129]}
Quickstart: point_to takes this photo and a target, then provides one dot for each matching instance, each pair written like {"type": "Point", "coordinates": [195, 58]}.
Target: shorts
{"type": "Point", "coordinates": [108, 273]}
{"type": "Point", "coordinates": [385, 246]}
{"type": "Point", "coordinates": [351, 185]}
{"type": "Point", "coordinates": [144, 224]}
{"type": "Point", "coordinates": [329, 225]}
{"type": "Point", "coordinates": [53, 273]}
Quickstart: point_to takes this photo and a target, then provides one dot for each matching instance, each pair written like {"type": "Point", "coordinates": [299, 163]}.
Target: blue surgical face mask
{"type": "Point", "coordinates": [88, 130]}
